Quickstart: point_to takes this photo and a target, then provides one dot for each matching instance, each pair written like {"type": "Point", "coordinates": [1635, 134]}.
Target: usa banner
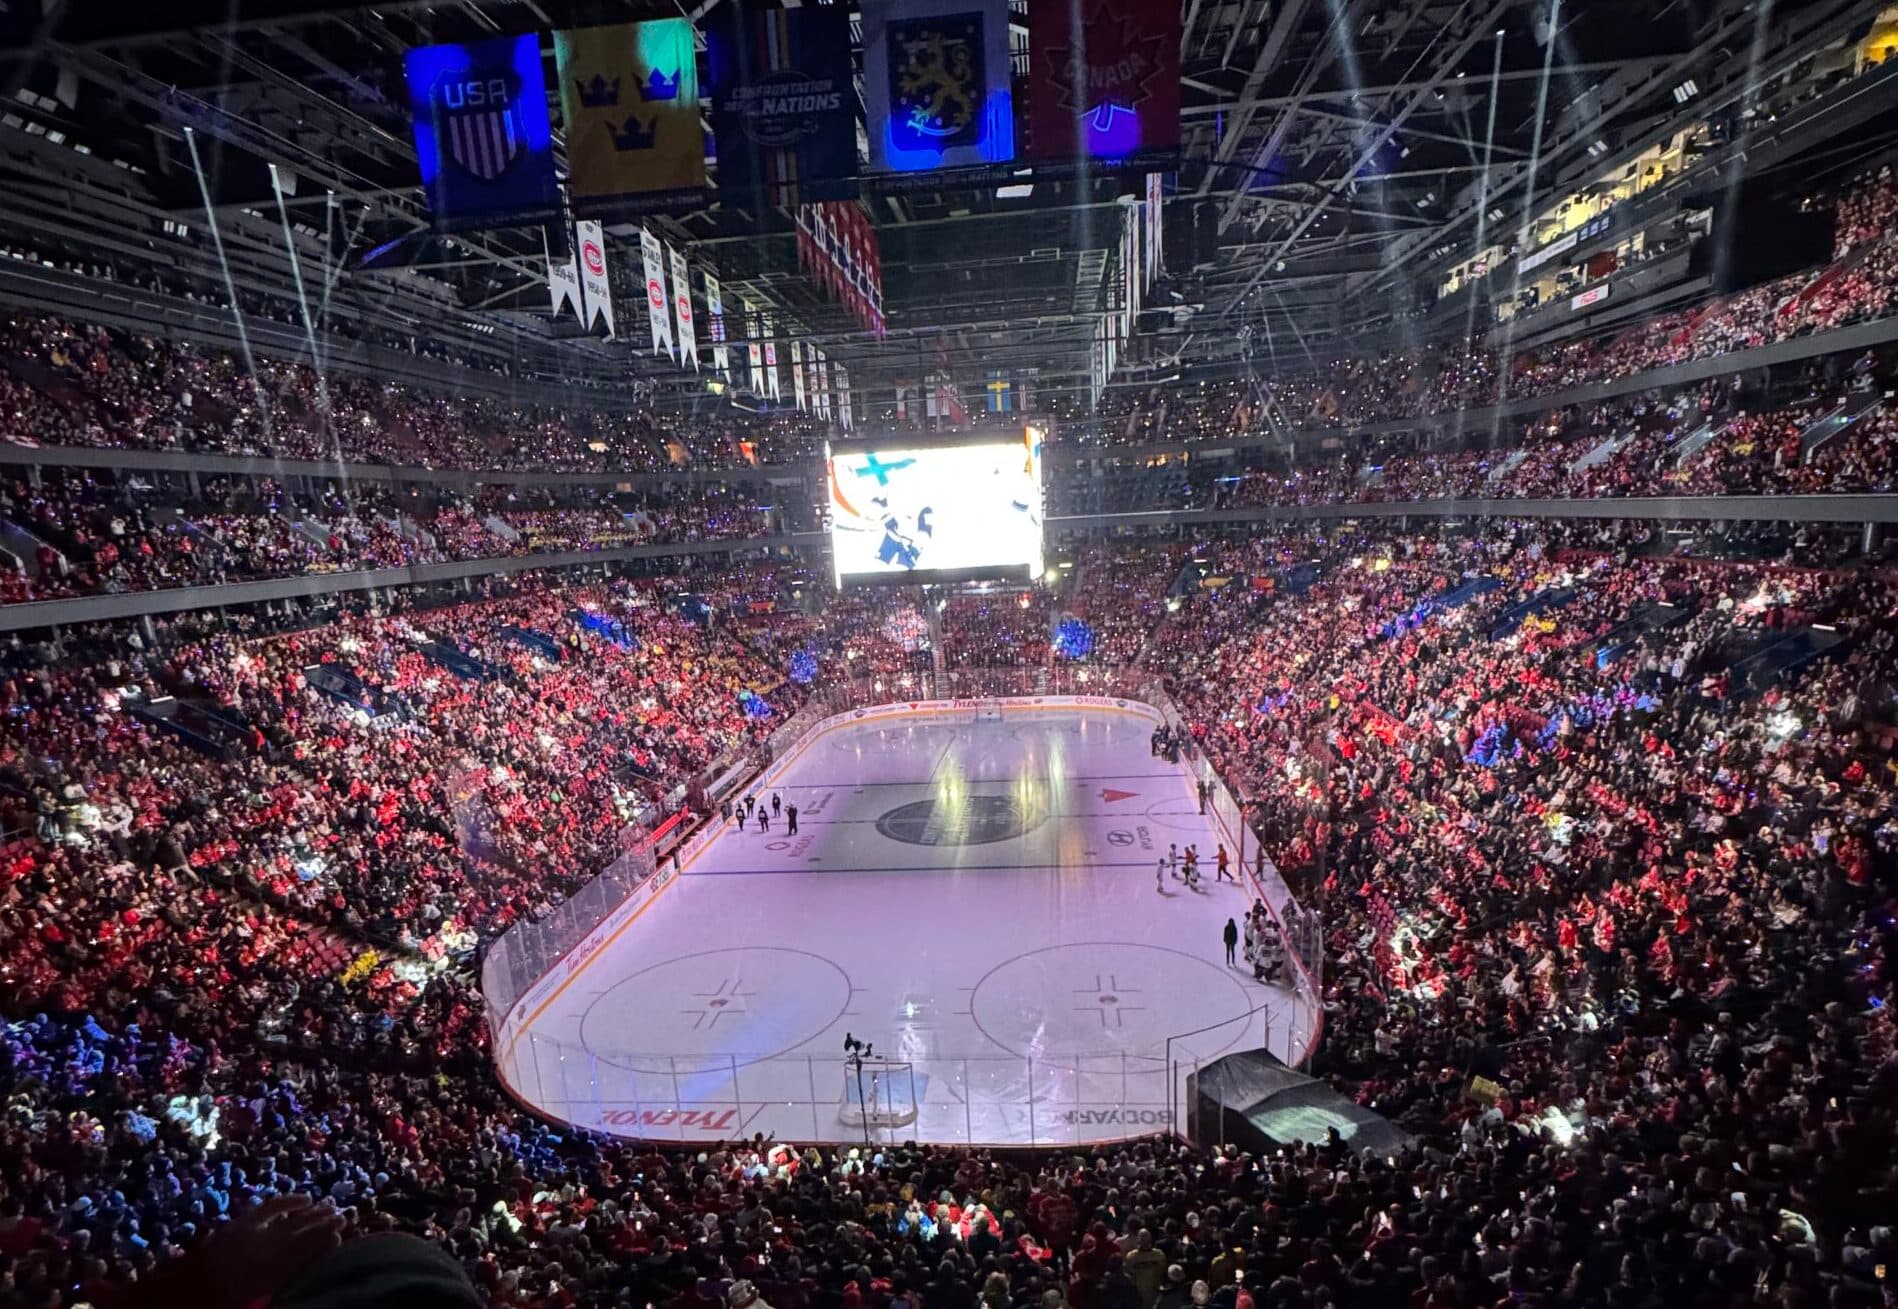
{"type": "Point", "coordinates": [599, 290]}
{"type": "Point", "coordinates": [797, 373]}
{"type": "Point", "coordinates": [658, 306]}
{"type": "Point", "coordinates": [1109, 89]}
{"type": "Point", "coordinates": [715, 315]}
{"type": "Point", "coordinates": [483, 137]}
{"type": "Point", "coordinates": [782, 84]}
{"type": "Point", "coordinates": [936, 84]}
{"type": "Point", "coordinates": [682, 307]}
{"type": "Point", "coordinates": [630, 97]}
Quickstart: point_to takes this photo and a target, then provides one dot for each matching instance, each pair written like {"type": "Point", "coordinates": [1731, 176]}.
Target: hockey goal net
{"type": "Point", "coordinates": [880, 1094]}
{"type": "Point", "coordinates": [988, 710]}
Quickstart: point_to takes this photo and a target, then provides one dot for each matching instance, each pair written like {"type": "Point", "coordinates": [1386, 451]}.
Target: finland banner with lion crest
{"type": "Point", "coordinates": [936, 84]}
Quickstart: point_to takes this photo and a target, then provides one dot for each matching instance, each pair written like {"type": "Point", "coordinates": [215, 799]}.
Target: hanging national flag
{"type": "Point", "coordinates": [630, 97]}
{"type": "Point", "coordinates": [483, 137]}
{"type": "Point", "coordinates": [658, 303]}
{"type": "Point", "coordinates": [936, 77]}
{"type": "Point", "coordinates": [715, 315]}
{"type": "Point", "coordinates": [1104, 80]}
{"type": "Point", "coordinates": [682, 311]}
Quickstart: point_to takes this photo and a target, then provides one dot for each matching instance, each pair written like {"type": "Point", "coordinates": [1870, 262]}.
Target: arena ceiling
{"type": "Point", "coordinates": [1336, 156]}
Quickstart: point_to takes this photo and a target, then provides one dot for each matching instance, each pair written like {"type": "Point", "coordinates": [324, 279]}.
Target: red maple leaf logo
{"type": "Point", "coordinates": [1112, 63]}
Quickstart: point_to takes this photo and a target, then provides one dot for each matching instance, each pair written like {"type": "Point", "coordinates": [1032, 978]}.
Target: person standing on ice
{"type": "Point", "coordinates": [1232, 942]}
{"type": "Point", "coordinates": [1159, 874]}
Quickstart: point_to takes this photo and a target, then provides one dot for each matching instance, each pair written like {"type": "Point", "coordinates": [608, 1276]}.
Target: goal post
{"type": "Point", "coordinates": [880, 1095]}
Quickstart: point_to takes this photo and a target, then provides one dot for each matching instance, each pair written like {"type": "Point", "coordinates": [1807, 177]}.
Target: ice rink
{"type": "Point", "coordinates": [976, 898]}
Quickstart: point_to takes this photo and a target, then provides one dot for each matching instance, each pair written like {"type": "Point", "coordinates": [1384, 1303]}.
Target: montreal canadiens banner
{"type": "Point", "coordinates": [936, 84]}
{"type": "Point", "coordinates": [715, 319]}
{"type": "Point", "coordinates": [782, 88]}
{"type": "Point", "coordinates": [483, 137]}
{"type": "Point", "coordinates": [1109, 91]}
{"type": "Point", "coordinates": [658, 303]}
{"type": "Point", "coordinates": [682, 311]}
{"type": "Point", "coordinates": [629, 95]}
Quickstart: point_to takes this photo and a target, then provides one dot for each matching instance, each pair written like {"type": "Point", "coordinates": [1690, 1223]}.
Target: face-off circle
{"type": "Point", "coordinates": [1100, 997]}
{"type": "Point", "coordinates": [972, 820]}
{"type": "Point", "coordinates": [744, 1004]}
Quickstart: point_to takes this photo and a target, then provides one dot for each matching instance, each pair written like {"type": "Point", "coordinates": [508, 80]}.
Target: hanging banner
{"type": "Point", "coordinates": [770, 359]}
{"type": "Point", "coordinates": [483, 137]}
{"type": "Point", "coordinates": [630, 98]}
{"type": "Point", "coordinates": [843, 398]}
{"type": "Point", "coordinates": [936, 84]}
{"type": "Point", "coordinates": [1109, 90]}
{"type": "Point", "coordinates": [754, 351]}
{"type": "Point", "coordinates": [599, 290]}
{"type": "Point", "coordinates": [797, 373]}
{"type": "Point", "coordinates": [658, 310]}
{"type": "Point", "coordinates": [563, 282]}
{"type": "Point", "coordinates": [782, 89]}
{"type": "Point", "coordinates": [820, 384]}
{"type": "Point", "coordinates": [1156, 202]}
{"type": "Point", "coordinates": [682, 310]}
{"type": "Point", "coordinates": [715, 315]}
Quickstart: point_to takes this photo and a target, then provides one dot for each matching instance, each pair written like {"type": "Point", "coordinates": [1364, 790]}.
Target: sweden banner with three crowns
{"type": "Point", "coordinates": [936, 84]}
{"type": "Point", "coordinates": [630, 95]}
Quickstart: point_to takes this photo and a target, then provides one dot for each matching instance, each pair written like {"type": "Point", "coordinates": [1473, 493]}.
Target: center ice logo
{"type": "Point", "coordinates": [974, 820]}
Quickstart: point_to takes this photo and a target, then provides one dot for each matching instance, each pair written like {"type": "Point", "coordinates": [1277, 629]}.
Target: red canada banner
{"type": "Point", "coordinates": [1109, 91]}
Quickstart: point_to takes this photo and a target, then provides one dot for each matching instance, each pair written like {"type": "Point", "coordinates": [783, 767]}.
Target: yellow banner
{"type": "Point", "coordinates": [630, 97]}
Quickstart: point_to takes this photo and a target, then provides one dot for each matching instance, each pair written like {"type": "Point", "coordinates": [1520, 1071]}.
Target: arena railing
{"type": "Point", "coordinates": [524, 966]}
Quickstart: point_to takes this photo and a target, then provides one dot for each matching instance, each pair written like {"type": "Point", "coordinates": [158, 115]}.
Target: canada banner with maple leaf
{"type": "Point", "coordinates": [1109, 91]}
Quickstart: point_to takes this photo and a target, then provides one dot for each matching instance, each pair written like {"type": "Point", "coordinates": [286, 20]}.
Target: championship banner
{"type": "Point", "coordinates": [599, 291]}
{"type": "Point", "coordinates": [682, 309]}
{"type": "Point", "coordinates": [563, 282]}
{"type": "Point", "coordinates": [630, 98]}
{"type": "Point", "coordinates": [936, 84]}
{"type": "Point", "coordinates": [770, 359]}
{"type": "Point", "coordinates": [1110, 90]}
{"type": "Point", "coordinates": [483, 137]}
{"type": "Point", "coordinates": [1156, 202]}
{"type": "Point", "coordinates": [754, 352]}
{"type": "Point", "coordinates": [843, 397]}
{"type": "Point", "coordinates": [820, 383]}
{"type": "Point", "coordinates": [715, 315]}
{"type": "Point", "coordinates": [797, 373]}
{"type": "Point", "coordinates": [658, 310]}
{"type": "Point", "coordinates": [782, 87]}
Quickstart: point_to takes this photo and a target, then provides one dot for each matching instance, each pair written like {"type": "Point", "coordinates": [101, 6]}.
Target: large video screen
{"type": "Point", "coordinates": [936, 512]}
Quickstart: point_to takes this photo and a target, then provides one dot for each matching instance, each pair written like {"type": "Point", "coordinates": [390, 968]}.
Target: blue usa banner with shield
{"type": "Point", "coordinates": [483, 135]}
{"type": "Point", "coordinates": [936, 84]}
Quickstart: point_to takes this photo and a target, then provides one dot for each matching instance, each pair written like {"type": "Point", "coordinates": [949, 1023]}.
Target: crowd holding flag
{"type": "Point", "coordinates": [630, 96]}
{"type": "Point", "coordinates": [682, 306]}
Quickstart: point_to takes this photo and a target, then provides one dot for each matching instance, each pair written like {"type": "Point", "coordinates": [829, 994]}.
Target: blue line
{"type": "Point", "coordinates": [915, 869]}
